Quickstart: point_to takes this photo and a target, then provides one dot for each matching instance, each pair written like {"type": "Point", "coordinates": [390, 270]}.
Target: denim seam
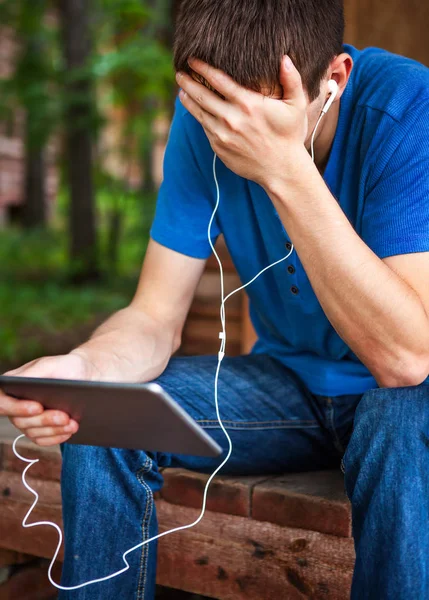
{"type": "Point", "coordinates": [260, 426]}
{"type": "Point", "coordinates": [263, 422]}
{"type": "Point", "coordinates": [145, 527]}
{"type": "Point", "coordinates": [217, 426]}
{"type": "Point", "coordinates": [331, 421]}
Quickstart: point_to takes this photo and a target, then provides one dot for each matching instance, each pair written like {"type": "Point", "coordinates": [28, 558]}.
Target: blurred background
{"type": "Point", "coordinates": [86, 98]}
{"type": "Point", "coordinates": [86, 95]}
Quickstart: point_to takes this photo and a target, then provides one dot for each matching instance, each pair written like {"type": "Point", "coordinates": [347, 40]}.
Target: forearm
{"type": "Point", "coordinates": [378, 315]}
{"type": "Point", "coordinates": [129, 347]}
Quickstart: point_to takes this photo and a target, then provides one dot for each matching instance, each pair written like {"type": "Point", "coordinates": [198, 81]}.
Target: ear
{"type": "Point", "coordinates": [340, 70]}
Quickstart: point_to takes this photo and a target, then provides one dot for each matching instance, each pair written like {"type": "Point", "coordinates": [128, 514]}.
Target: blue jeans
{"type": "Point", "coordinates": [276, 426]}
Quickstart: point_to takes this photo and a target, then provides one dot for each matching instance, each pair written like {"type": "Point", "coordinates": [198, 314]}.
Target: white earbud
{"type": "Point", "coordinates": [333, 88]}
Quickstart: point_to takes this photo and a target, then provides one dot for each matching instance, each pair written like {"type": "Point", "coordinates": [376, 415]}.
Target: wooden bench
{"type": "Point", "coordinates": [286, 537]}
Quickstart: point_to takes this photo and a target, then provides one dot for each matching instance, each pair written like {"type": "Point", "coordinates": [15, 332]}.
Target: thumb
{"type": "Point", "coordinates": [40, 368]}
{"type": "Point", "coordinates": [291, 82]}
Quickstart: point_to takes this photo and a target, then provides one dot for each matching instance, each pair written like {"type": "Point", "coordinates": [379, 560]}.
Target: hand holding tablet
{"type": "Point", "coordinates": [45, 427]}
{"type": "Point", "coordinates": [134, 416]}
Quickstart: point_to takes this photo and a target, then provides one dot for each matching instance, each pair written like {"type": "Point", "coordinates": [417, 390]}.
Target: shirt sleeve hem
{"type": "Point", "coordinates": [398, 247]}
{"type": "Point", "coordinates": [182, 246]}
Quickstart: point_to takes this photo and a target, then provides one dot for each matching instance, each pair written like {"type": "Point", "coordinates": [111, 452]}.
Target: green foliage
{"type": "Point", "coordinates": [137, 69]}
{"type": "Point", "coordinates": [133, 67]}
{"type": "Point", "coordinates": [42, 255]}
{"type": "Point", "coordinates": [130, 68]}
{"type": "Point", "coordinates": [31, 312]}
{"type": "Point", "coordinates": [36, 299]}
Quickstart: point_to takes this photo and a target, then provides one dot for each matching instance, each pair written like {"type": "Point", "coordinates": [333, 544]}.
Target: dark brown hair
{"type": "Point", "coordinates": [248, 38]}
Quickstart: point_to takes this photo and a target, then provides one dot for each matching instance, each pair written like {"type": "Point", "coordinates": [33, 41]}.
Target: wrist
{"type": "Point", "coordinates": [296, 166]}
{"type": "Point", "coordinates": [88, 365]}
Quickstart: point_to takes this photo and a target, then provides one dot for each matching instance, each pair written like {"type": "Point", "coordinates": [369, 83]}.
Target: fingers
{"type": "Point", "coordinates": [219, 80]}
{"type": "Point", "coordinates": [52, 441]}
{"type": "Point", "coordinates": [11, 407]}
{"type": "Point", "coordinates": [48, 429]}
{"type": "Point", "coordinates": [45, 428]}
{"type": "Point", "coordinates": [37, 433]}
{"type": "Point", "coordinates": [49, 418]}
{"type": "Point", "coordinates": [208, 121]}
{"type": "Point", "coordinates": [205, 98]}
{"type": "Point", "coordinates": [291, 81]}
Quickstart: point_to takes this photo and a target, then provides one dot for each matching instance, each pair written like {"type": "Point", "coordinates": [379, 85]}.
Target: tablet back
{"type": "Point", "coordinates": [133, 416]}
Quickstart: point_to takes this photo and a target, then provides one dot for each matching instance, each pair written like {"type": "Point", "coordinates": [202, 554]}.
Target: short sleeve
{"type": "Point", "coordinates": [396, 211]}
{"type": "Point", "coordinates": [186, 200]}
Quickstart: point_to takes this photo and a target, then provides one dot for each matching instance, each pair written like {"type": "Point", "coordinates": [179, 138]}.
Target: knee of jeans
{"type": "Point", "coordinates": [88, 460]}
{"type": "Point", "coordinates": [396, 409]}
{"type": "Point", "coordinates": [389, 423]}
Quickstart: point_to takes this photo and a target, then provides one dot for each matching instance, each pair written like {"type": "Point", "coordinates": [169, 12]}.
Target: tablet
{"type": "Point", "coordinates": [118, 415]}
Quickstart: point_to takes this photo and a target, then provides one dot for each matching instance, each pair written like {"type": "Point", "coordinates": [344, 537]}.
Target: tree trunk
{"type": "Point", "coordinates": [77, 48]}
{"type": "Point", "coordinates": [30, 72]}
{"type": "Point", "coordinates": [34, 206]}
{"type": "Point", "coordinates": [149, 185]}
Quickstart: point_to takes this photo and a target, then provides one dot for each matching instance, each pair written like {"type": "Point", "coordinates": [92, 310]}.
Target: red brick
{"type": "Point", "coordinates": [229, 495]}
{"type": "Point", "coordinates": [314, 501]}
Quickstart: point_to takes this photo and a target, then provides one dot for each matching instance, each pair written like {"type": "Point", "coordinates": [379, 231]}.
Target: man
{"type": "Point", "coordinates": [343, 351]}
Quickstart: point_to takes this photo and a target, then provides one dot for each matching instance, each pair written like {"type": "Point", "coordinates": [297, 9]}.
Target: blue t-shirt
{"type": "Point", "coordinates": [378, 171]}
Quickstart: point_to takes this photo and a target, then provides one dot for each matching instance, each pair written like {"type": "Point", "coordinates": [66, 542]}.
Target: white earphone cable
{"type": "Point", "coordinates": [313, 137]}
{"type": "Point", "coordinates": [221, 355]}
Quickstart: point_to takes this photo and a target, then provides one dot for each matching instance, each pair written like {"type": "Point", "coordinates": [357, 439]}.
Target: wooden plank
{"type": "Point", "coordinates": [314, 501]}
{"type": "Point", "coordinates": [11, 487]}
{"type": "Point", "coordinates": [37, 541]}
{"type": "Point", "coordinates": [196, 347]}
{"type": "Point", "coordinates": [229, 495]}
{"type": "Point", "coordinates": [225, 257]}
{"type": "Point", "coordinates": [204, 335]}
{"type": "Point", "coordinates": [9, 558]}
{"type": "Point", "coordinates": [225, 557]}
{"type": "Point", "coordinates": [209, 288]}
{"type": "Point", "coordinates": [48, 467]}
{"type": "Point", "coordinates": [397, 25]}
{"type": "Point", "coordinates": [32, 583]}
{"type": "Point", "coordinates": [234, 558]}
{"type": "Point", "coordinates": [248, 333]}
{"type": "Point", "coordinates": [211, 310]}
